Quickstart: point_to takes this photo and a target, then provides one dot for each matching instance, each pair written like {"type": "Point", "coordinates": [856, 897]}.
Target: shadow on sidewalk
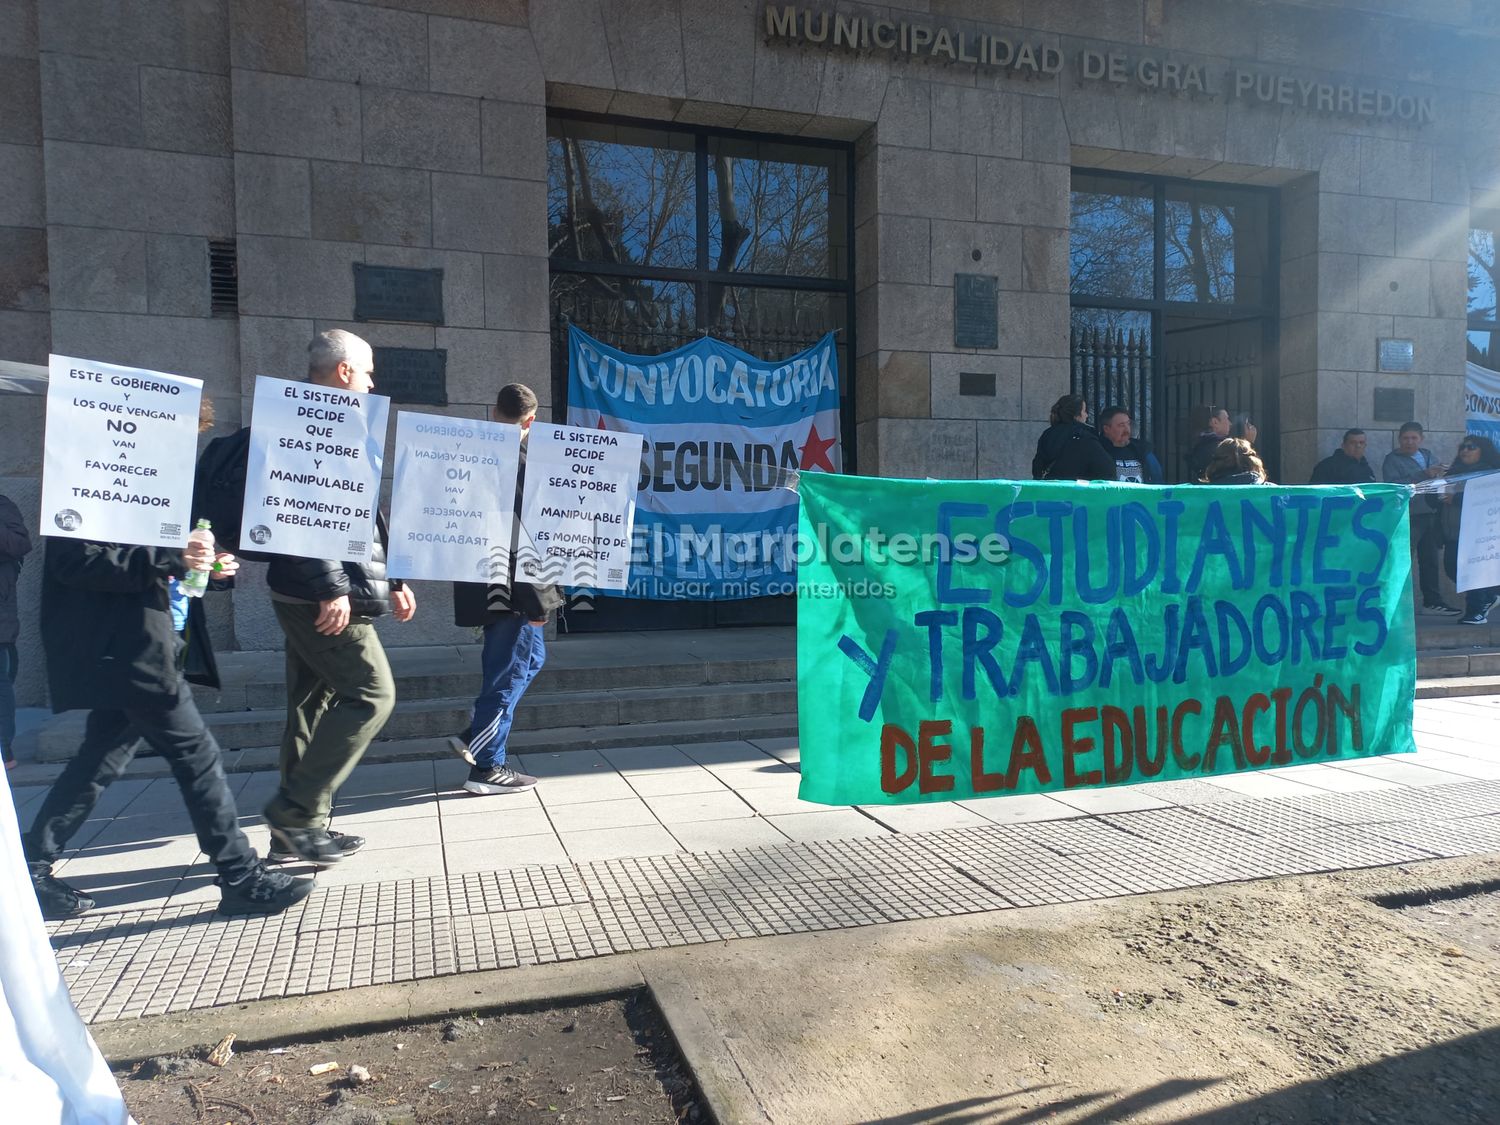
{"type": "Point", "coordinates": [1445, 1084]}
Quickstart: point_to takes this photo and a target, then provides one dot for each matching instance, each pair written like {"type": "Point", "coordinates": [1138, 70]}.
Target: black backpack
{"type": "Point", "coordinates": [219, 491]}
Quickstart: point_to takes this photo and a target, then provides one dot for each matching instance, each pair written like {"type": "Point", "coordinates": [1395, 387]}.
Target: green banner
{"type": "Point", "coordinates": [960, 639]}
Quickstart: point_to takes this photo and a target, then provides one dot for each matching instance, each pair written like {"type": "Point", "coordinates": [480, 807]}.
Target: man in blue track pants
{"type": "Point", "coordinates": [513, 615]}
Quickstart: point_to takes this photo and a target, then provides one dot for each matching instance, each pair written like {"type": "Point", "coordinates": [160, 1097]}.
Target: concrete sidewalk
{"type": "Point", "coordinates": [658, 846]}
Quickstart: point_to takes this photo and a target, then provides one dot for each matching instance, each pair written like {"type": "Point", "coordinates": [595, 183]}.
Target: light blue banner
{"type": "Point", "coordinates": [726, 436]}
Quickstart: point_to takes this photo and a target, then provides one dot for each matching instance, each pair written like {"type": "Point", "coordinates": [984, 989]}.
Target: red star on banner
{"type": "Point", "coordinates": [815, 451]}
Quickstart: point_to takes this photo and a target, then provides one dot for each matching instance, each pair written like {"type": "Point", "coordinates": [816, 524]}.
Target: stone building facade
{"type": "Point", "coordinates": [143, 142]}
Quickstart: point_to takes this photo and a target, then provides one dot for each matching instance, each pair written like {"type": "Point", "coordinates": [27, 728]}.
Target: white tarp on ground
{"type": "Point", "coordinates": [50, 1069]}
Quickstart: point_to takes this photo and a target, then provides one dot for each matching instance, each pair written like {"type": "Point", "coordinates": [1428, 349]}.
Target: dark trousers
{"type": "Point", "coordinates": [8, 669]}
{"type": "Point", "coordinates": [1427, 541]}
{"type": "Point", "coordinates": [514, 652]}
{"type": "Point", "coordinates": [1475, 601]}
{"type": "Point", "coordinates": [111, 739]}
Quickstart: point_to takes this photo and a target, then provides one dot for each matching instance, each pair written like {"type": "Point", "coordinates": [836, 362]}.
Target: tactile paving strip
{"type": "Point", "coordinates": [144, 962]}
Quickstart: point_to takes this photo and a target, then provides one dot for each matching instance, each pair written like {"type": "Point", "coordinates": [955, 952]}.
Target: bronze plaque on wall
{"type": "Point", "coordinates": [396, 293]}
{"type": "Point", "coordinates": [976, 310]}
{"type": "Point", "coordinates": [1394, 404]}
{"type": "Point", "coordinates": [412, 375]}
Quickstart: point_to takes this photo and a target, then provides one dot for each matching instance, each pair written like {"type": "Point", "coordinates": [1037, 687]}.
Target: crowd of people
{"type": "Point", "coordinates": [1221, 450]}
{"type": "Point", "coordinates": [124, 640]}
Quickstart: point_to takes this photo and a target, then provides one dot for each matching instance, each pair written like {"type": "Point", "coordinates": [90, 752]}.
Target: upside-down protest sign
{"type": "Point", "coordinates": [1083, 635]}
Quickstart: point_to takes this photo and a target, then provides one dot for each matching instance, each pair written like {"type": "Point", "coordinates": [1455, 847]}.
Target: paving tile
{"type": "Point", "coordinates": [463, 803]}
{"type": "Point", "coordinates": [505, 821]}
{"type": "Point", "coordinates": [1462, 765]}
{"type": "Point", "coordinates": [665, 783]}
{"type": "Point", "coordinates": [727, 754]}
{"type": "Point", "coordinates": [719, 835]}
{"type": "Point", "coordinates": [779, 800]}
{"type": "Point", "coordinates": [581, 789]}
{"type": "Point", "coordinates": [613, 843]}
{"type": "Point", "coordinates": [646, 759]}
{"type": "Point", "coordinates": [383, 835]}
{"type": "Point", "coordinates": [1331, 780]}
{"type": "Point", "coordinates": [572, 763]}
{"type": "Point", "coordinates": [1190, 791]}
{"type": "Point", "coordinates": [1019, 808]}
{"type": "Point", "coordinates": [389, 777]}
{"type": "Point", "coordinates": [512, 852]}
{"type": "Point", "coordinates": [388, 806]}
{"type": "Point", "coordinates": [1121, 799]}
{"type": "Point", "coordinates": [684, 808]}
{"type": "Point", "coordinates": [759, 775]}
{"type": "Point", "coordinates": [831, 824]}
{"type": "Point", "coordinates": [1474, 836]}
{"type": "Point", "coordinates": [1258, 784]}
{"type": "Point", "coordinates": [1394, 769]}
{"type": "Point", "coordinates": [923, 818]}
{"type": "Point", "coordinates": [418, 862]}
{"type": "Point", "coordinates": [595, 815]}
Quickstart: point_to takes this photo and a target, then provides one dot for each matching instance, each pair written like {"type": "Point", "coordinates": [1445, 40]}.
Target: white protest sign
{"type": "Point", "coordinates": [1479, 534]}
{"type": "Point", "coordinates": [313, 479]}
{"type": "Point", "coordinates": [578, 507]}
{"type": "Point", "coordinates": [453, 499]}
{"type": "Point", "coordinates": [119, 453]}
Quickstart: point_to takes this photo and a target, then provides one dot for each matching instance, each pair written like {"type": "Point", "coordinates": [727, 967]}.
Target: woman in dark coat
{"type": "Point", "coordinates": [1068, 449]}
{"type": "Point", "coordinates": [1475, 455]}
{"type": "Point", "coordinates": [1234, 462]}
{"type": "Point", "coordinates": [1208, 425]}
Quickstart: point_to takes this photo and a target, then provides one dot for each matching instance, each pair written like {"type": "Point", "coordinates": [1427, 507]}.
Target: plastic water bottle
{"type": "Point", "coordinates": [195, 581]}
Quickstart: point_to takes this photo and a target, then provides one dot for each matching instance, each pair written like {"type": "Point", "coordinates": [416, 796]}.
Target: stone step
{"type": "Point", "coordinates": [556, 740]}
{"type": "Point", "coordinates": [1435, 633]}
{"type": "Point", "coordinates": [435, 718]}
{"type": "Point", "coordinates": [1434, 664]}
{"type": "Point", "coordinates": [1452, 686]}
{"type": "Point", "coordinates": [253, 681]}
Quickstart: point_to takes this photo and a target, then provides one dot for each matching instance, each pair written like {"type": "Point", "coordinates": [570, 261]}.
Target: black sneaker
{"type": "Point", "coordinates": [1442, 608]}
{"type": "Point", "coordinates": [263, 891]}
{"type": "Point", "coordinates": [58, 900]}
{"type": "Point", "coordinates": [501, 779]}
{"type": "Point", "coordinates": [459, 744]}
{"type": "Point", "coordinates": [312, 845]}
{"type": "Point", "coordinates": [1475, 619]}
{"type": "Point", "coordinates": [346, 844]}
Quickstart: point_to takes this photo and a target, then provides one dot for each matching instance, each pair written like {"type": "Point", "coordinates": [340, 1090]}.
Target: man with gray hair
{"type": "Point", "coordinates": [340, 691]}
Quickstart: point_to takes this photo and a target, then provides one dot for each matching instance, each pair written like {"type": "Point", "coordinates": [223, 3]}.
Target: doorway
{"type": "Point", "coordinates": [1174, 299]}
{"type": "Point", "coordinates": [659, 236]}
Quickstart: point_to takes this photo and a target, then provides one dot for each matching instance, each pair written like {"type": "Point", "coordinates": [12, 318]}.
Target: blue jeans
{"type": "Point", "coordinates": [514, 653]}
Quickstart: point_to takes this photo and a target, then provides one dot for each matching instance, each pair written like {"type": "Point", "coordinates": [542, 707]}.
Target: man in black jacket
{"type": "Point", "coordinates": [1346, 464]}
{"type": "Point", "coordinates": [15, 544]}
{"type": "Point", "coordinates": [340, 690]}
{"type": "Point", "coordinates": [113, 647]}
{"type": "Point", "coordinates": [513, 615]}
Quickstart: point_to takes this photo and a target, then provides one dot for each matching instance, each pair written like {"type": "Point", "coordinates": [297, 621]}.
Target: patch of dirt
{"type": "Point", "coordinates": [1470, 922]}
{"type": "Point", "coordinates": [612, 1061]}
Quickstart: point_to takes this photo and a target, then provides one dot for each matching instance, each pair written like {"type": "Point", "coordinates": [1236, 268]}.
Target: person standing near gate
{"type": "Point", "coordinates": [1411, 463]}
{"type": "Point", "coordinates": [513, 615]}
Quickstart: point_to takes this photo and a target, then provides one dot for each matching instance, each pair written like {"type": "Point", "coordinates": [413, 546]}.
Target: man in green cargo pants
{"type": "Point", "coordinates": [340, 691]}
